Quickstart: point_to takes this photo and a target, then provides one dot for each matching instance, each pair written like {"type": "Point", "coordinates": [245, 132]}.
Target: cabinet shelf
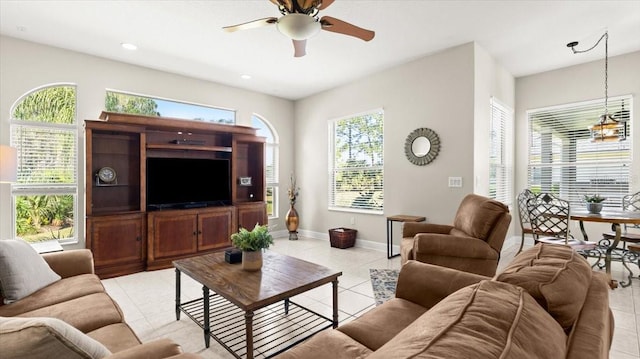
{"type": "Point", "coordinates": [188, 147]}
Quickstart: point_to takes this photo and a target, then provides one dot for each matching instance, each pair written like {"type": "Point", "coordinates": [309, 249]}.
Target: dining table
{"type": "Point", "coordinates": [616, 218]}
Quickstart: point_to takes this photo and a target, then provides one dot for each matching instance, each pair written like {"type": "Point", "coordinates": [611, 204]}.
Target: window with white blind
{"type": "Point", "coordinates": [271, 163]}
{"type": "Point", "coordinates": [45, 133]}
{"type": "Point", "coordinates": [501, 152]}
{"type": "Point", "coordinates": [356, 163]}
{"type": "Point", "coordinates": [563, 159]}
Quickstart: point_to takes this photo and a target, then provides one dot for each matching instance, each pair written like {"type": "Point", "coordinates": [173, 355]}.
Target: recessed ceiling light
{"type": "Point", "coordinates": [129, 46]}
{"type": "Point", "coordinates": [245, 77]}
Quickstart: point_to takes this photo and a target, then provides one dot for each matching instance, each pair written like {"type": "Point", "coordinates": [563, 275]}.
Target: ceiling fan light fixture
{"type": "Point", "coordinates": [298, 26]}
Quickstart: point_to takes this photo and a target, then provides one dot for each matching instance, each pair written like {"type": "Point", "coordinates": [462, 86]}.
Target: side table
{"type": "Point", "coordinates": [398, 218]}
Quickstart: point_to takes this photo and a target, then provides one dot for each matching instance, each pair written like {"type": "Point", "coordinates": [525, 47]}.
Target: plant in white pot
{"type": "Point", "coordinates": [251, 243]}
{"type": "Point", "coordinates": [594, 202]}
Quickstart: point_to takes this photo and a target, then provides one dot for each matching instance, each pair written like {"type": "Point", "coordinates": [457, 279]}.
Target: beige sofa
{"type": "Point", "coordinates": [74, 318]}
{"type": "Point", "coordinates": [547, 303]}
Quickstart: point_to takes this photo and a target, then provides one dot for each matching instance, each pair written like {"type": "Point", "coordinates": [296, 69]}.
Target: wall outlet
{"type": "Point", "coordinates": [352, 220]}
{"type": "Point", "coordinates": [455, 181]}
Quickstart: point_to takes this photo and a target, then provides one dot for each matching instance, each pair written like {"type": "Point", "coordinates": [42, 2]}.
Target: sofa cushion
{"type": "Point", "coordinates": [485, 320]}
{"type": "Point", "coordinates": [377, 326]}
{"type": "Point", "coordinates": [22, 270]}
{"type": "Point", "coordinates": [327, 344]}
{"type": "Point", "coordinates": [116, 337]}
{"type": "Point", "coordinates": [477, 215]}
{"type": "Point", "coordinates": [86, 313]}
{"type": "Point", "coordinates": [555, 275]}
{"type": "Point", "coordinates": [46, 338]}
{"type": "Point", "coordinates": [58, 292]}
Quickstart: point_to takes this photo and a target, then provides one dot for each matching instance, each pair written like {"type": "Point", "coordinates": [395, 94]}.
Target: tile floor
{"type": "Point", "coordinates": [147, 298]}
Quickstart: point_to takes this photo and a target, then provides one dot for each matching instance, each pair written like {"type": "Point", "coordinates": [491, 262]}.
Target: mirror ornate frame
{"type": "Point", "coordinates": [428, 140]}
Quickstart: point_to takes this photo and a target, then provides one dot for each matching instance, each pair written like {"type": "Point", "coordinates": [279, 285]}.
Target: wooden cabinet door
{"type": "Point", "coordinates": [117, 240]}
{"type": "Point", "coordinates": [251, 213]}
{"type": "Point", "coordinates": [215, 228]}
{"type": "Point", "coordinates": [172, 234]}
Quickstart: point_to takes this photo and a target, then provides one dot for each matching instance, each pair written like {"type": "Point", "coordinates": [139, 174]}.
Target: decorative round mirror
{"type": "Point", "coordinates": [422, 146]}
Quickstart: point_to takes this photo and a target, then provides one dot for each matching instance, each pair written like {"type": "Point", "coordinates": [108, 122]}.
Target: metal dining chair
{"type": "Point", "coordinates": [523, 214]}
{"type": "Point", "coordinates": [549, 217]}
{"type": "Point", "coordinates": [631, 203]}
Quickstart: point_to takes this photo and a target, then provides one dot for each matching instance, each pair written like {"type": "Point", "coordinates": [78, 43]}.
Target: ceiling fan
{"type": "Point", "coordinates": [300, 21]}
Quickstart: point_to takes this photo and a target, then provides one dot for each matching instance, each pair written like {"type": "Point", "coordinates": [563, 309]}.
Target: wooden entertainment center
{"type": "Point", "coordinates": [127, 237]}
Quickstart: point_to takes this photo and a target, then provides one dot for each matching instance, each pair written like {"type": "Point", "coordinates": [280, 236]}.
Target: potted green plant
{"type": "Point", "coordinates": [594, 203]}
{"type": "Point", "coordinates": [251, 243]}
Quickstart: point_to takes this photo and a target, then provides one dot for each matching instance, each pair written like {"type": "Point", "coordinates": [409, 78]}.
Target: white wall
{"type": "Point", "coordinates": [438, 92]}
{"type": "Point", "coordinates": [575, 84]}
{"type": "Point", "coordinates": [25, 66]}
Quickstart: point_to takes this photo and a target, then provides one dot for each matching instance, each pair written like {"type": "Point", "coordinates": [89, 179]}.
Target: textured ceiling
{"type": "Point", "coordinates": [185, 37]}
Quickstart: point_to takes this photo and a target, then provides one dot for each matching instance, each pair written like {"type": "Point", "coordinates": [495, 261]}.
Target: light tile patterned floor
{"type": "Point", "coordinates": [147, 299]}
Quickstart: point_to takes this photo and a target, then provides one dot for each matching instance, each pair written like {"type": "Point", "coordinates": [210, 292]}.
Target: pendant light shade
{"type": "Point", "coordinates": [608, 127]}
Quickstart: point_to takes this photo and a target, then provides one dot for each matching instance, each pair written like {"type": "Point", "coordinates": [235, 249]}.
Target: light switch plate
{"type": "Point", "coordinates": [455, 181]}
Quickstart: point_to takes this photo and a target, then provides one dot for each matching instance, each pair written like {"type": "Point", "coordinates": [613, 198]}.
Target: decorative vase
{"type": "Point", "coordinates": [594, 208]}
{"type": "Point", "coordinates": [291, 220]}
{"type": "Point", "coordinates": [252, 260]}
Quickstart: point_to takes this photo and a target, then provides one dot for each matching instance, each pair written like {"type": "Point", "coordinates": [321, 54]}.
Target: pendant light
{"type": "Point", "coordinates": [608, 127]}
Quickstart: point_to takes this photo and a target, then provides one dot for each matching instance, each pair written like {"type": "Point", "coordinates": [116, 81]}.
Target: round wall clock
{"type": "Point", "coordinates": [107, 175]}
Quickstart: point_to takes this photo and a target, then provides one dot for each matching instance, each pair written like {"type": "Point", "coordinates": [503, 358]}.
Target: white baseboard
{"type": "Point", "coordinates": [363, 243]}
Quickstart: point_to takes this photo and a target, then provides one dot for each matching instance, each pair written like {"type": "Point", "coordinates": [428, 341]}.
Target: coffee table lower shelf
{"type": "Point", "coordinates": [276, 327]}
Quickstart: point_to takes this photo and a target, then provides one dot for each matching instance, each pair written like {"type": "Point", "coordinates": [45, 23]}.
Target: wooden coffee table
{"type": "Point", "coordinates": [236, 302]}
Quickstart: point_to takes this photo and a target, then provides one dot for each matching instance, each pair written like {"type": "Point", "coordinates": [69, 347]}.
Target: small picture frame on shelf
{"type": "Point", "coordinates": [245, 181]}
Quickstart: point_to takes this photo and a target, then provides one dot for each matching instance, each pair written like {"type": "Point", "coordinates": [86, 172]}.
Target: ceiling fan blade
{"type": "Point", "coordinates": [251, 24]}
{"type": "Point", "coordinates": [325, 4]}
{"type": "Point", "coordinates": [334, 25]}
{"type": "Point", "coordinates": [299, 48]}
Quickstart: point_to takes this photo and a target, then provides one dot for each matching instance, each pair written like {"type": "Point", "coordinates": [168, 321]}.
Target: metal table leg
{"type": "Point", "coordinates": [334, 284]}
{"type": "Point", "coordinates": [607, 260]}
{"type": "Point", "coordinates": [207, 328]}
{"type": "Point", "coordinates": [177, 294]}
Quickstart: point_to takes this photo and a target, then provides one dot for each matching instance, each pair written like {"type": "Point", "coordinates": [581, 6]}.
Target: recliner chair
{"type": "Point", "coordinates": [472, 244]}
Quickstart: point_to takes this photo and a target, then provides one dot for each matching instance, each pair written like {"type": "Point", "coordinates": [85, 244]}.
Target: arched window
{"type": "Point", "coordinates": [271, 166]}
{"type": "Point", "coordinates": [45, 133]}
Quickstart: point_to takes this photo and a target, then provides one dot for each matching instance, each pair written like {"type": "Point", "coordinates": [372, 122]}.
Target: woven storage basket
{"type": "Point", "coordinates": [342, 237]}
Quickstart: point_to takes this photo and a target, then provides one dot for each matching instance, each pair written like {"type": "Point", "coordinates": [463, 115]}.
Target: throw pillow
{"type": "Point", "coordinates": [555, 275]}
{"type": "Point", "coordinates": [47, 338]}
{"type": "Point", "coordinates": [22, 270]}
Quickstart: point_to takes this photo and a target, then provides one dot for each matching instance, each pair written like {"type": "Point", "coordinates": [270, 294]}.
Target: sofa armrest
{"type": "Point", "coordinates": [161, 348]}
{"type": "Point", "coordinates": [410, 229]}
{"type": "Point", "coordinates": [452, 246]}
{"type": "Point", "coordinates": [426, 284]}
{"type": "Point", "coordinates": [71, 262]}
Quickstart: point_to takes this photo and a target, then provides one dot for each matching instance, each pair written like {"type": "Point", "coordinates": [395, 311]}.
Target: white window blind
{"type": "Point", "coordinates": [356, 163]}
{"type": "Point", "coordinates": [564, 161]}
{"type": "Point", "coordinates": [501, 152]}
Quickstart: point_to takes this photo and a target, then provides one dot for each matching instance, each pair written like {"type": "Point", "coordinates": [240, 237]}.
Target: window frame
{"type": "Point", "coordinates": [581, 165]}
{"type": "Point", "coordinates": [332, 169]}
{"type": "Point", "coordinates": [501, 159]}
{"type": "Point", "coordinates": [48, 189]}
{"type": "Point", "coordinates": [272, 146]}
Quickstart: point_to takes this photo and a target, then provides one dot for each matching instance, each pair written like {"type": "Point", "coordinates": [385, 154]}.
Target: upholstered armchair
{"type": "Point", "coordinates": [472, 244]}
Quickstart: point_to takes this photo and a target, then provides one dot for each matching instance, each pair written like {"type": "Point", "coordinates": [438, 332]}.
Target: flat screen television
{"type": "Point", "coordinates": [187, 183]}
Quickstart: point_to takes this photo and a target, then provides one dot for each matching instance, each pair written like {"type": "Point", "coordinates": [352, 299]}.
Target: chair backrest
{"type": "Point", "coordinates": [631, 203]}
{"type": "Point", "coordinates": [549, 216]}
{"type": "Point", "coordinates": [483, 218]}
{"type": "Point", "coordinates": [523, 212]}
